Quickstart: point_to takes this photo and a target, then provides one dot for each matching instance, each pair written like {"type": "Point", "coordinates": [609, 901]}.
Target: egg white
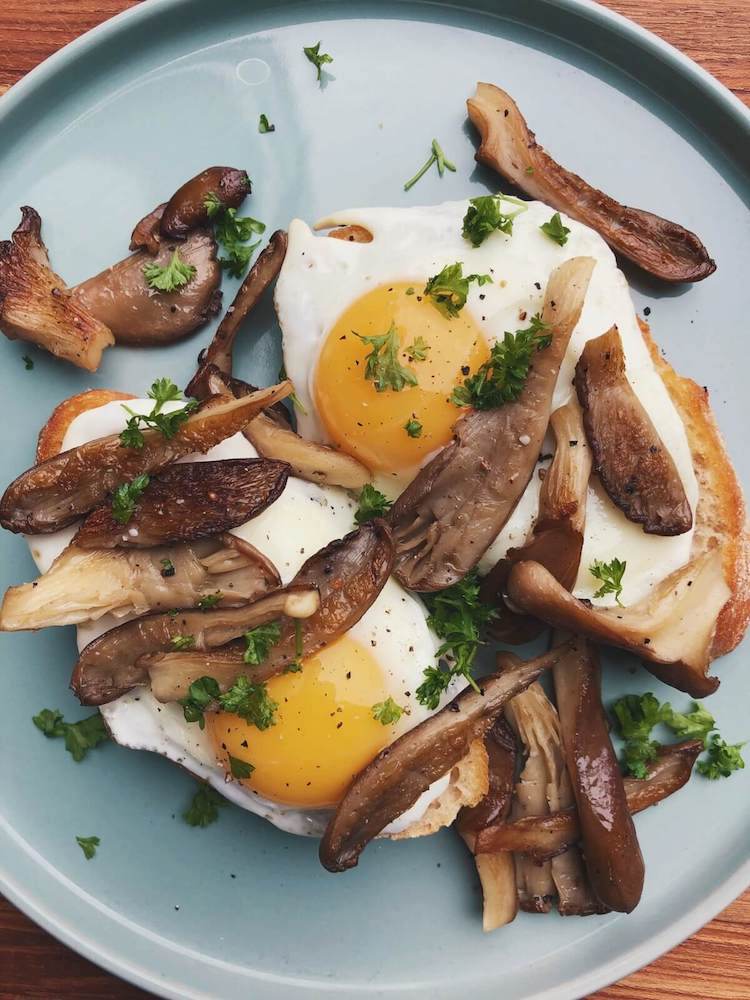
{"type": "Point", "coordinates": [322, 277]}
{"type": "Point", "coordinates": [304, 519]}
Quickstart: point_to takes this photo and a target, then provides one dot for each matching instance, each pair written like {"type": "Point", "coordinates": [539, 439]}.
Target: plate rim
{"type": "Point", "coordinates": [27, 899]}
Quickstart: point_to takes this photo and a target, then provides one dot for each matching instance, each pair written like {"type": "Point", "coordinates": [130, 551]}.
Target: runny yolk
{"type": "Point", "coordinates": [324, 732]}
{"type": "Point", "coordinates": [370, 425]}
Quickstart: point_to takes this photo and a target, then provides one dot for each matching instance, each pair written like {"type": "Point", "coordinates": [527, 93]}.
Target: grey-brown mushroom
{"type": "Point", "coordinates": [456, 506]}
{"type": "Point", "coordinates": [37, 306]}
{"type": "Point", "coordinates": [632, 461]}
{"type": "Point", "coordinates": [186, 209]}
{"type": "Point", "coordinates": [56, 492]}
{"type": "Point", "coordinates": [664, 249]}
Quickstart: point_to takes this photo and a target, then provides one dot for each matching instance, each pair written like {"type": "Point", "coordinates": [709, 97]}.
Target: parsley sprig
{"type": "Point", "coordinates": [610, 574]}
{"type": "Point", "coordinates": [125, 498]}
{"type": "Point", "coordinates": [487, 214]}
{"type": "Point", "coordinates": [182, 642]}
{"type": "Point", "coordinates": [450, 288]}
{"type": "Point", "coordinates": [458, 616]}
{"type": "Point", "coordinates": [209, 602]}
{"type": "Point", "coordinates": [249, 700]}
{"type": "Point", "coordinates": [88, 845]}
{"type": "Point", "coordinates": [636, 717]}
{"type": "Point", "coordinates": [240, 768]}
{"type": "Point", "coordinates": [233, 232]}
{"type": "Point", "coordinates": [418, 349]}
{"type": "Point", "coordinates": [80, 737]}
{"type": "Point", "coordinates": [502, 377]}
{"type": "Point", "coordinates": [204, 807]}
{"type": "Point", "coordinates": [162, 391]}
{"type": "Point", "coordinates": [317, 58]}
{"type": "Point", "coordinates": [372, 503]}
{"type": "Point", "coordinates": [259, 642]}
{"type": "Point", "coordinates": [413, 428]}
{"type": "Point", "coordinates": [383, 366]}
{"type": "Point", "coordinates": [438, 157]}
{"type": "Point", "coordinates": [173, 276]}
{"type": "Point", "coordinates": [555, 229]}
{"type": "Point", "coordinates": [264, 125]}
{"type": "Point", "coordinates": [387, 712]}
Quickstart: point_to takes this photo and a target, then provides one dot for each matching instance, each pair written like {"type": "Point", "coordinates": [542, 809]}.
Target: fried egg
{"type": "Point", "coordinates": [330, 290]}
{"type": "Point", "coordinates": [325, 731]}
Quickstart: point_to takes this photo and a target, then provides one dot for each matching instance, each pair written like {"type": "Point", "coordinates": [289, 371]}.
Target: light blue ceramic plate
{"type": "Point", "coordinates": [98, 135]}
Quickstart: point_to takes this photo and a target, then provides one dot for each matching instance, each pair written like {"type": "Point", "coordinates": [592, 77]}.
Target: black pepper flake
{"type": "Point", "coordinates": [572, 443]}
{"type": "Point", "coordinates": [647, 311]}
{"type": "Point", "coordinates": [339, 725]}
{"type": "Point", "coordinates": [646, 642]}
{"type": "Point", "coordinates": [348, 675]}
{"type": "Point", "coordinates": [465, 369]}
{"type": "Point", "coordinates": [537, 286]}
{"type": "Point", "coordinates": [482, 296]}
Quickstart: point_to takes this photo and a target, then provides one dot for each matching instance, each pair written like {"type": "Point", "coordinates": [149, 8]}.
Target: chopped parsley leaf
{"type": "Point", "coordinates": [201, 693]}
{"type": "Point", "coordinates": [259, 641]}
{"type": "Point", "coordinates": [372, 503]}
{"type": "Point", "coordinates": [556, 230]}
{"type": "Point", "coordinates": [171, 277]}
{"type": "Point", "coordinates": [233, 232]}
{"type": "Point", "coordinates": [436, 156]}
{"type": "Point", "coordinates": [240, 768]}
{"type": "Point", "coordinates": [180, 642]}
{"type": "Point", "coordinates": [449, 289]}
{"type": "Point", "coordinates": [383, 366]}
{"type": "Point", "coordinates": [80, 737]}
{"type": "Point", "coordinates": [317, 58]}
{"type": "Point", "coordinates": [296, 665]}
{"type": "Point", "coordinates": [418, 349]}
{"type": "Point", "coordinates": [88, 845]}
{"type": "Point", "coordinates": [126, 496]}
{"type": "Point", "coordinates": [413, 428]}
{"type": "Point", "coordinates": [610, 574]}
{"type": "Point", "coordinates": [162, 391]}
{"type": "Point", "coordinates": [486, 214]}
{"type": "Point", "coordinates": [501, 378]}
{"type": "Point", "coordinates": [167, 567]}
{"type": "Point", "coordinates": [251, 702]}
{"type": "Point", "coordinates": [204, 807]}
{"type": "Point", "coordinates": [723, 759]}
{"type": "Point", "coordinates": [265, 126]}
{"type": "Point", "coordinates": [27, 363]}
{"type": "Point", "coordinates": [387, 712]}
{"type": "Point", "coordinates": [209, 602]}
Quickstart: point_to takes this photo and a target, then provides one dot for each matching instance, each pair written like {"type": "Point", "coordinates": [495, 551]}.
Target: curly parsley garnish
{"type": "Point", "coordinates": [487, 214]}
{"type": "Point", "coordinates": [233, 232]}
{"type": "Point", "coordinates": [372, 503]}
{"type": "Point", "coordinates": [317, 58]}
{"type": "Point", "coordinates": [383, 366]}
{"type": "Point", "coordinates": [387, 712]}
{"type": "Point", "coordinates": [162, 391]}
{"type": "Point", "coordinates": [556, 230]}
{"type": "Point", "coordinates": [204, 807]}
{"type": "Point", "coordinates": [436, 156]}
{"type": "Point", "coordinates": [259, 642]}
{"type": "Point", "coordinates": [125, 498]}
{"type": "Point", "coordinates": [501, 378]}
{"type": "Point", "coordinates": [182, 642]}
{"type": "Point", "coordinates": [413, 428]}
{"type": "Point", "coordinates": [418, 349]}
{"type": "Point", "coordinates": [457, 615]}
{"type": "Point", "coordinates": [88, 845]}
{"type": "Point", "coordinates": [248, 700]}
{"type": "Point", "coordinates": [171, 277]}
{"type": "Point", "coordinates": [28, 363]}
{"type": "Point", "coordinates": [450, 289]}
{"type": "Point", "coordinates": [240, 768]}
{"type": "Point", "coordinates": [80, 737]}
{"type": "Point", "coordinates": [636, 717]}
{"type": "Point", "coordinates": [265, 126]}
{"type": "Point", "coordinates": [610, 574]}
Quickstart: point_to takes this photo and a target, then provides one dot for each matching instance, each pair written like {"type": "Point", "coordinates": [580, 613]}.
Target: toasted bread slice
{"type": "Point", "coordinates": [52, 435]}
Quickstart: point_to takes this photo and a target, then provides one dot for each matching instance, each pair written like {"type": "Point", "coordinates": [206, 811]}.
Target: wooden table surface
{"type": "Point", "coordinates": [715, 963]}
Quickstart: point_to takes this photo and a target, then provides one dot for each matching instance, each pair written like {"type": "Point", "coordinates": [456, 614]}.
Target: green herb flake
{"type": "Point", "coordinates": [204, 807]}
{"type": "Point", "coordinates": [125, 498]}
{"type": "Point", "coordinates": [251, 702]}
{"type": "Point", "coordinates": [387, 712]}
{"type": "Point", "coordinates": [610, 574]}
{"type": "Point", "coordinates": [418, 349]}
{"type": "Point", "coordinates": [502, 377]}
{"type": "Point", "coordinates": [173, 276]}
{"type": "Point", "coordinates": [723, 759]}
{"type": "Point", "coordinates": [240, 768]}
{"type": "Point", "coordinates": [201, 693]}
{"type": "Point", "coordinates": [27, 363]}
{"type": "Point", "coordinates": [383, 367]}
{"type": "Point", "coordinates": [413, 428]}
{"type": "Point", "coordinates": [259, 642]}
{"type": "Point", "coordinates": [372, 503]}
{"type": "Point", "coordinates": [209, 602]}
{"type": "Point", "coordinates": [488, 214]}
{"type": "Point", "coordinates": [88, 845]}
{"type": "Point", "coordinates": [437, 156]}
{"type": "Point", "coordinates": [182, 642]}
{"type": "Point", "coordinates": [162, 391]}
{"type": "Point", "coordinates": [450, 288]}
{"type": "Point", "coordinates": [265, 126]}
{"type": "Point", "coordinates": [556, 230]}
{"type": "Point", "coordinates": [232, 232]}
{"type": "Point", "coordinates": [80, 737]}
{"type": "Point", "coordinates": [317, 58]}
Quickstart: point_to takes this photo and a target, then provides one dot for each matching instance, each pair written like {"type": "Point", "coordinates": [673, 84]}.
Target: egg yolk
{"type": "Point", "coordinates": [324, 733]}
{"type": "Point", "coordinates": [370, 425]}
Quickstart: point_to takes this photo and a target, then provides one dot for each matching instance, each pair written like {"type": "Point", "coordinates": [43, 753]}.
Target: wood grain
{"type": "Point", "coordinates": [715, 963]}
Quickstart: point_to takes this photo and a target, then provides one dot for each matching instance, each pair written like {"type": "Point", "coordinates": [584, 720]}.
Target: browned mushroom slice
{"type": "Point", "coordinates": [271, 435]}
{"type": "Point", "coordinates": [497, 872]}
{"type": "Point", "coordinates": [664, 249]}
{"type": "Point", "coordinates": [56, 492]}
{"type": "Point", "coordinates": [630, 458]}
{"type": "Point", "coordinates": [348, 574]}
{"type": "Point", "coordinates": [396, 778]}
{"type": "Point", "coordinates": [610, 844]}
{"type": "Point", "coordinates": [114, 662]}
{"type": "Point", "coordinates": [672, 629]}
{"type": "Point", "coordinates": [36, 305]}
{"type": "Point", "coordinates": [447, 517]}
{"type": "Point", "coordinates": [545, 837]}
{"type": "Point", "coordinates": [219, 352]}
{"type": "Point", "coordinates": [557, 536]}
{"type": "Point", "coordinates": [147, 234]}
{"type": "Point", "coordinates": [83, 585]}
{"type": "Point", "coordinates": [189, 501]}
{"type": "Point", "coordinates": [186, 209]}
{"type": "Point", "coordinates": [121, 297]}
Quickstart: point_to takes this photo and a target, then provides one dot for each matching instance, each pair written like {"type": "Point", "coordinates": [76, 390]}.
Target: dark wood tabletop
{"type": "Point", "coordinates": [712, 965]}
